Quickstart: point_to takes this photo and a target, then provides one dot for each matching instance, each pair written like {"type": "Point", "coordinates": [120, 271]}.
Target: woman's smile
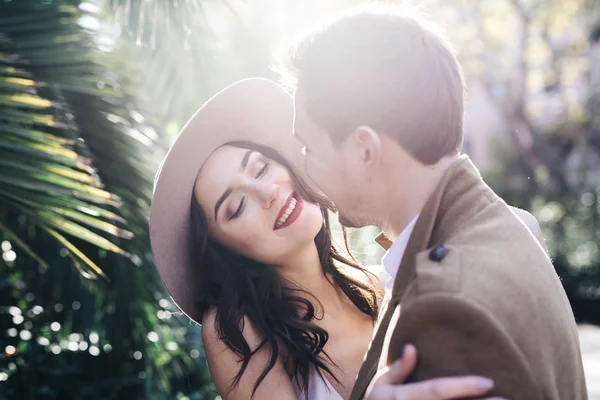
{"type": "Point", "coordinates": [290, 211]}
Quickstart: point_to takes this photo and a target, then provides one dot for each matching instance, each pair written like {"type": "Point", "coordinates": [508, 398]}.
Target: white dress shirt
{"type": "Point", "coordinates": [393, 256]}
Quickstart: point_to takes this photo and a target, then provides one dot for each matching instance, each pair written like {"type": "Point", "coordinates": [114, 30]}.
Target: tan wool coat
{"type": "Point", "coordinates": [476, 294]}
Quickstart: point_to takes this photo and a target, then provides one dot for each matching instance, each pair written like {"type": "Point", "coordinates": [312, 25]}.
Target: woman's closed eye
{"type": "Point", "coordinates": [263, 170]}
{"type": "Point", "coordinates": [239, 210]}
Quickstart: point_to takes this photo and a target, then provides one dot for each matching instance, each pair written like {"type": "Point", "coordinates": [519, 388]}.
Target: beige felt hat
{"type": "Point", "coordinates": [255, 110]}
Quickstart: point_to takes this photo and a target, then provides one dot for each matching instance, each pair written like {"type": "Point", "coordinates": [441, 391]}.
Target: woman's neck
{"type": "Point", "coordinates": [304, 271]}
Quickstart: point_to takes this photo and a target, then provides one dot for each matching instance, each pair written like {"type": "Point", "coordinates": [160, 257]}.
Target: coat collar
{"type": "Point", "coordinates": [456, 199]}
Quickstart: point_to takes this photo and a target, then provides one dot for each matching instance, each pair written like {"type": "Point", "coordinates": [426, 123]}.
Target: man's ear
{"type": "Point", "coordinates": [369, 144]}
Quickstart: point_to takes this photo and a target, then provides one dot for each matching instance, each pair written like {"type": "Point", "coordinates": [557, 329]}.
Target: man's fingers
{"type": "Point", "coordinates": [444, 388]}
{"type": "Point", "coordinates": [400, 369]}
{"type": "Point", "coordinates": [390, 375]}
{"type": "Point", "coordinates": [387, 386]}
{"type": "Point", "coordinates": [409, 361]}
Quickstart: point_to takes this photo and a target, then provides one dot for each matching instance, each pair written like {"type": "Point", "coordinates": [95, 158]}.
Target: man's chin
{"type": "Point", "coordinates": [350, 222]}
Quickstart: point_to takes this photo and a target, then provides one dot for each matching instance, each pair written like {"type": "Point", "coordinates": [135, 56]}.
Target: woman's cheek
{"type": "Point", "coordinates": [315, 212]}
{"type": "Point", "coordinates": [264, 252]}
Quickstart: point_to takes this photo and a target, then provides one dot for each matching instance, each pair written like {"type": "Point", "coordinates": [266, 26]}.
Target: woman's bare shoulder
{"type": "Point", "coordinates": [224, 364]}
{"type": "Point", "coordinates": [209, 326]}
{"type": "Point", "coordinates": [210, 333]}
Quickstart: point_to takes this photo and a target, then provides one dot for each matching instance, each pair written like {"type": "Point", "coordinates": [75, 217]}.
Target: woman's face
{"type": "Point", "coordinates": [252, 207]}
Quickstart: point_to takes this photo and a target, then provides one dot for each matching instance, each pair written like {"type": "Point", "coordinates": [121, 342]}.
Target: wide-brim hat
{"type": "Point", "coordinates": [255, 110]}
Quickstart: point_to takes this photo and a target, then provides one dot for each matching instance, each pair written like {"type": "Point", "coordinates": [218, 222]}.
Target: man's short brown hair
{"type": "Point", "coordinates": [388, 68]}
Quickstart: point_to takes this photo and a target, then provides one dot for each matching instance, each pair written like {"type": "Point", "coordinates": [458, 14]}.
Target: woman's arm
{"type": "Point", "coordinates": [224, 365]}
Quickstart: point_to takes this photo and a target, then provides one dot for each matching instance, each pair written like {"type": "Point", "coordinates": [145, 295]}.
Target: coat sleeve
{"type": "Point", "coordinates": [454, 337]}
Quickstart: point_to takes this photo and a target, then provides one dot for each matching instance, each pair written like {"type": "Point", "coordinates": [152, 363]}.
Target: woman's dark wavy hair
{"type": "Point", "coordinates": [237, 287]}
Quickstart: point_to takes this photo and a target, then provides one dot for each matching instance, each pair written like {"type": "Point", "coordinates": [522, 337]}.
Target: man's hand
{"type": "Point", "coordinates": [387, 384]}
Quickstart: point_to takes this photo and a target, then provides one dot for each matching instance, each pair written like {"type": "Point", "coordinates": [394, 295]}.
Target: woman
{"type": "Point", "coordinates": [243, 246]}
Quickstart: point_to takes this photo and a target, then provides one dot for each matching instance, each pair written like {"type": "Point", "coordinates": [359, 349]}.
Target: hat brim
{"type": "Point", "coordinates": [255, 110]}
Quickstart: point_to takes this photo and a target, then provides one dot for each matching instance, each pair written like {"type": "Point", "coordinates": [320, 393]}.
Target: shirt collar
{"type": "Point", "coordinates": [393, 256]}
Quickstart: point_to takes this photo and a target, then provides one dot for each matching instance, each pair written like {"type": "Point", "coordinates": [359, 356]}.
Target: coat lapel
{"type": "Point", "coordinates": [371, 361]}
{"type": "Point", "coordinates": [456, 198]}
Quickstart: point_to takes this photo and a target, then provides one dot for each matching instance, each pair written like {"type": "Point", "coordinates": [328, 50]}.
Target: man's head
{"type": "Point", "coordinates": [378, 93]}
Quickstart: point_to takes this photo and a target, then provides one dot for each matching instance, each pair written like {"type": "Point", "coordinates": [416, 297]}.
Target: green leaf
{"type": "Point", "coordinates": [93, 222]}
{"type": "Point", "coordinates": [40, 200]}
{"type": "Point", "coordinates": [72, 248]}
{"type": "Point", "coordinates": [20, 243]}
{"type": "Point", "coordinates": [80, 232]}
{"type": "Point", "coordinates": [25, 100]}
{"type": "Point", "coordinates": [25, 182]}
{"type": "Point", "coordinates": [34, 135]}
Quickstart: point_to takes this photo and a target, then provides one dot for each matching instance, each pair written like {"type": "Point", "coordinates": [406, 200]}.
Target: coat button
{"type": "Point", "coordinates": [438, 253]}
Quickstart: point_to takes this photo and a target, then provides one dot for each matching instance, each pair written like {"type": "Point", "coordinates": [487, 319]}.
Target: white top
{"type": "Point", "coordinates": [393, 256]}
{"type": "Point", "coordinates": [317, 388]}
{"type": "Point", "coordinates": [320, 388]}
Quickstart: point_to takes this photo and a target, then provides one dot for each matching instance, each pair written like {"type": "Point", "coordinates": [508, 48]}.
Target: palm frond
{"type": "Point", "coordinates": [148, 21]}
{"type": "Point", "coordinates": [74, 250]}
{"type": "Point", "coordinates": [43, 167]}
{"type": "Point", "coordinates": [24, 246]}
{"type": "Point", "coordinates": [77, 158]}
{"type": "Point", "coordinates": [174, 42]}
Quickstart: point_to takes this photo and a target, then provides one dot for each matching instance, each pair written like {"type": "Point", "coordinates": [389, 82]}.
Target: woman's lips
{"type": "Point", "coordinates": [293, 215]}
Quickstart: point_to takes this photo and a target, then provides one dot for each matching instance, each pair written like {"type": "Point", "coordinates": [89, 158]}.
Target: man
{"type": "Point", "coordinates": [379, 109]}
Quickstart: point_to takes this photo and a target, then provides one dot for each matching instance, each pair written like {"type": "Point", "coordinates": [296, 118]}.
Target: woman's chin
{"type": "Point", "coordinates": [305, 228]}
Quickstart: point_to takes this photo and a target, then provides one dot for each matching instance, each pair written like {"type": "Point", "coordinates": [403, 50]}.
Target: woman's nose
{"type": "Point", "coordinates": [268, 194]}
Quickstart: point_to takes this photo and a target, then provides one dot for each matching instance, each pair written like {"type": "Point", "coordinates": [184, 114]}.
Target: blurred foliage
{"type": "Point", "coordinates": [173, 42]}
{"type": "Point", "coordinates": [92, 94]}
{"type": "Point", "coordinates": [77, 161]}
{"type": "Point", "coordinates": [533, 121]}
